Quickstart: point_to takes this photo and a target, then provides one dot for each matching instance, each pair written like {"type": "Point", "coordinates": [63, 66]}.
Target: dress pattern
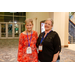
{"type": "Point", "coordinates": [23, 44]}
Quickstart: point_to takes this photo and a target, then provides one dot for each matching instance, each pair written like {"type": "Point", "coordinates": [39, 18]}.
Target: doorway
{"type": "Point", "coordinates": [11, 30]}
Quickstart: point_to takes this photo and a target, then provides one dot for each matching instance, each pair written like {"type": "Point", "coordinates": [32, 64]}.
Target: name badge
{"type": "Point", "coordinates": [29, 51]}
{"type": "Point", "coordinates": [40, 48]}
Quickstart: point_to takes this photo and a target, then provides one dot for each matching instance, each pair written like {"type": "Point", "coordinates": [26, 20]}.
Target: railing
{"type": "Point", "coordinates": [71, 32]}
{"type": "Point", "coordinates": [70, 39]}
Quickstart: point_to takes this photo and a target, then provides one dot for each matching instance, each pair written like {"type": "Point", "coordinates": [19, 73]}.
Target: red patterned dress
{"type": "Point", "coordinates": [23, 44]}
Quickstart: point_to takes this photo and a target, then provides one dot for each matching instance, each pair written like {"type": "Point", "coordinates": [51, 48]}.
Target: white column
{"type": "Point", "coordinates": [13, 26]}
{"type": "Point", "coordinates": [35, 24]}
{"type": "Point", "coordinates": [13, 31]}
{"type": "Point", "coordinates": [61, 22]}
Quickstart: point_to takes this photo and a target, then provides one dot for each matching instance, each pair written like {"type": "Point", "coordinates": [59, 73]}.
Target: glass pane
{"type": "Point", "coordinates": [20, 13]}
{"type": "Point", "coordinates": [3, 30]}
{"type": "Point", "coordinates": [22, 27]}
{"type": "Point", "coordinates": [1, 18]}
{"type": "Point", "coordinates": [19, 19]}
{"type": "Point", "coordinates": [1, 13]}
{"type": "Point", "coordinates": [16, 29]}
{"type": "Point", "coordinates": [6, 13]}
{"type": "Point", "coordinates": [6, 19]}
{"type": "Point", "coordinates": [9, 30]}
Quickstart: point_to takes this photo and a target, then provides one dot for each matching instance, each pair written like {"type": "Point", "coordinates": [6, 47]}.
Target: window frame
{"type": "Point", "coordinates": [13, 16]}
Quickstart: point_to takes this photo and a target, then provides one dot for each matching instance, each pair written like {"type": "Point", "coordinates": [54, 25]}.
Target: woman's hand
{"type": "Point", "coordinates": [55, 57]}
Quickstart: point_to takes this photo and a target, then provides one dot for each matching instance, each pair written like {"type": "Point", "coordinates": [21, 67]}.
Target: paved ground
{"type": "Point", "coordinates": [67, 55]}
{"type": "Point", "coordinates": [9, 49]}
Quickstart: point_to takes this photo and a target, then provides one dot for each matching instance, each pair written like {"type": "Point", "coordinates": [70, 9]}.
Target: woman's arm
{"type": "Point", "coordinates": [55, 57]}
{"type": "Point", "coordinates": [57, 47]}
{"type": "Point", "coordinates": [20, 46]}
{"type": "Point", "coordinates": [37, 42]}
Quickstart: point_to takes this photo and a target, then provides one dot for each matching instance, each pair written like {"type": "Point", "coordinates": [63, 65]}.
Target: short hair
{"type": "Point", "coordinates": [28, 20]}
{"type": "Point", "coordinates": [50, 20]}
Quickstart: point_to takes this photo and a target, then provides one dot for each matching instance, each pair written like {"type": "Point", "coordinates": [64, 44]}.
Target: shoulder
{"type": "Point", "coordinates": [56, 35]}
{"type": "Point", "coordinates": [21, 35]}
{"type": "Point", "coordinates": [34, 32]}
{"type": "Point", "coordinates": [54, 32]}
{"type": "Point", "coordinates": [24, 32]}
{"type": "Point", "coordinates": [41, 34]}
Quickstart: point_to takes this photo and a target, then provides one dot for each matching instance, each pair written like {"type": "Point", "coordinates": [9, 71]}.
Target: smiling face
{"type": "Point", "coordinates": [48, 25]}
{"type": "Point", "coordinates": [29, 26]}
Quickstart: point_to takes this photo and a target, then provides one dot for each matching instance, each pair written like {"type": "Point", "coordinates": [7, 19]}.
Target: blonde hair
{"type": "Point", "coordinates": [50, 20]}
{"type": "Point", "coordinates": [28, 20]}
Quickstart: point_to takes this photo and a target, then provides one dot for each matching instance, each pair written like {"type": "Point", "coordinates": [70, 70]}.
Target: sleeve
{"type": "Point", "coordinates": [37, 42]}
{"type": "Point", "coordinates": [20, 46]}
{"type": "Point", "coordinates": [57, 44]}
{"type": "Point", "coordinates": [36, 35]}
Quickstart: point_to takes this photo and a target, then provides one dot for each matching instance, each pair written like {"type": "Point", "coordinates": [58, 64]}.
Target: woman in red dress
{"type": "Point", "coordinates": [27, 50]}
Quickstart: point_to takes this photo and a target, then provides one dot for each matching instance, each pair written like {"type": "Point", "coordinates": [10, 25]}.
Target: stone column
{"type": "Point", "coordinates": [61, 22]}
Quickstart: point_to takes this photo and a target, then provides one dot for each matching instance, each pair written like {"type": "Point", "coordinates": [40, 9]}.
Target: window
{"type": "Point", "coordinates": [12, 16]}
{"type": "Point", "coordinates": [6, 13]}
{"type": "Point", "coordinates": [19, 19]}
{"type": "Point", "coordinates": [20, 13]}
{"type": "Point", "coordinates": [8, 18]}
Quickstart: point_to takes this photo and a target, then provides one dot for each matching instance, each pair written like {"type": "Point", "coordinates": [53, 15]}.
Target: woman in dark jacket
{"type": "Point", "coordinates": [48, 44]}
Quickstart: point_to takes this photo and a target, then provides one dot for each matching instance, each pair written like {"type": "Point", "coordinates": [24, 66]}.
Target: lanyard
{"type": "Point", "coordinates": [28, 39]}
{"type": "Point", "coordinates": [43, 37]}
